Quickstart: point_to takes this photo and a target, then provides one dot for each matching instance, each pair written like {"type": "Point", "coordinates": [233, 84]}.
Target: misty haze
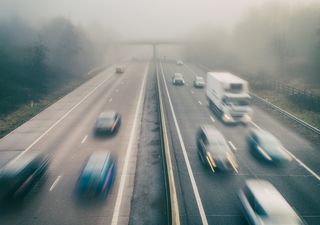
{"type": "Point", "coordinates": [159, 112]}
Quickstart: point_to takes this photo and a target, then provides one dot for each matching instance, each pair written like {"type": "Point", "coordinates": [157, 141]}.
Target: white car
{"type": "Point", "coordinates": [177, 79]}
{"type": "Point", "coordinates": [180, 62]}
{"type": "Point", "coordinates": [264, 205]}
{"type": "Point", "coordinates": [198, 82]}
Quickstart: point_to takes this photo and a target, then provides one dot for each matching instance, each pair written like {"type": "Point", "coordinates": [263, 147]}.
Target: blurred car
{"type": "Point", "coordinates": [98, 175]}
{"type": "Point", "coordinates": [108, 122]}
{"type": "Point", "coordinates": [262, 204]}
{"type": "Point", "coordinates": [267, 146]}
{"type": "Point", "coordinates": [180, 62]}
{"type": "Point", "coordinates": [19, 175]}
{"type": "Point", "coordinates": [177, 79]}
{"type": "Point", "coordinates": [214, 150]}
{"type": "Point", "coordinates": [119, 69]}
{"type": "Point", "coordinates": [198, 82]}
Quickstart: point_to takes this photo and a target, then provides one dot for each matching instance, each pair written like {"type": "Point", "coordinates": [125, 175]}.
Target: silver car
{"type": "Point", "coordinates": [263, 204]}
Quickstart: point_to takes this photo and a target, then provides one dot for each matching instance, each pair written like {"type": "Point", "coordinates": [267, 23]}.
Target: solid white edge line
{"type": "Point", "coordinates": [55, 183]}
{"type": "Point", "coordinates": [297, 159]}
{"type": "Point", "coordinates": [84, 139]}
{"type": "Point", "coordinates": [193, 182]}
{"type": "Point", "coordinates": [62, 118]}
{"type": "Point", "coordinates": [116, 211]}
{"type": "Point", "coordinates": [232, 145]}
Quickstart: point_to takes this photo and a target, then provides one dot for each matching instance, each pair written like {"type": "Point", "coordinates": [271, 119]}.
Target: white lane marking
{"type": "Point", "coordinates": [55, 183]}
{"type": "Point", "coordinates": [62, 118]}
{"type": "Point", "coordinates": [192, 92]}
{"type": "Point", "coordinates": [110, 100]}
{"type": "Point", "coordinates": [232, 146]}
{"type": "Point", "coordinates": [304, 165]}
{"type": "Point", "coordinates": [255, 125]}
{"type": "Point", "coordinates": [295, 158]}
{"type": "Point", "coordinates": [116, 211]}
{"type": "Point", "coordinates": [193, 182]}
{"type": "Point", "coordinates": [200, 102]}
{"type": "Point", "coordinates": [212, 119]}
{"type": "Point", "coordinates": [84, 139]}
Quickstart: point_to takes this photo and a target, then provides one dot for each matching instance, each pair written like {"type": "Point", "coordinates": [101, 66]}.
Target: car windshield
{"type": "Point", "coordinates": [199, 79]}
{"type": "Point", "coordinates": [238, 101]}
{"type": "Point", "coordinates": [106, 120]}
{"type": "Point", "coordinates": [270, 142]}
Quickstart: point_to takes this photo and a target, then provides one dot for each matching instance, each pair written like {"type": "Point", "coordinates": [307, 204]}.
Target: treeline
{"type": "Point", "coordinates": [275, 40]}
{"type": "Point", "coordinates": [37, 60]}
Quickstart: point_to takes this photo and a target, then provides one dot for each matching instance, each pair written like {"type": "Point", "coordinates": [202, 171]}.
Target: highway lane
{"type": "Point", "coordinates": [70, 142]}
{"type": "Point", "coordinates": [218, 192]}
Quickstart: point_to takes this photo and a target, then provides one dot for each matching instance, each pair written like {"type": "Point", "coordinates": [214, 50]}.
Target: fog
{"type": "Point", "coordinates": [138, 18]}
{"type": "Point", "coordinates": [277, 38]}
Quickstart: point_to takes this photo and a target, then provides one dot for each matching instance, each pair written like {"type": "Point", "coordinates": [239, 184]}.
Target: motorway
{"type": "Point", "coordinates": [65, 130]}
{"type": "Point", "coordinates": [207, 198]}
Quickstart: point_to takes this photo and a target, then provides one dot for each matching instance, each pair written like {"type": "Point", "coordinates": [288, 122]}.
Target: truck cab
{"type": "Point", "coordinates": [229, 96]}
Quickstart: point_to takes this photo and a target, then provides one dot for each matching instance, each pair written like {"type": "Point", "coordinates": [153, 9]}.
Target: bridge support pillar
{"type": "Point", "coordinates": [154, 48]}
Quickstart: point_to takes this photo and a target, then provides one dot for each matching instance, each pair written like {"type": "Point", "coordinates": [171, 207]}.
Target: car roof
{"type": "Point", "coordinates": [269, 197]}
{"type": "Point", "coordinates": [264, 135]}
{"type": "Point", "coordinates": [212, 133]}
{"type": "Point", "coordinates": [96, 162]}
{"type": "Point", "coordinates": [17, 164]}
{"type": "Point", "coordinates": [107, 114]}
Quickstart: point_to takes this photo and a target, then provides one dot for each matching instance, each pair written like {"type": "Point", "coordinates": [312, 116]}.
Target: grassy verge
{"type": "Point", "coordinates": [283, 101]}
{"type": "Point", "coordinates": [26, 111]}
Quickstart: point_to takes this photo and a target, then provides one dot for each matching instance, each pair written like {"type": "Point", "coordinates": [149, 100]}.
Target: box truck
{"type": "Point", "coordinates": [228, 96]}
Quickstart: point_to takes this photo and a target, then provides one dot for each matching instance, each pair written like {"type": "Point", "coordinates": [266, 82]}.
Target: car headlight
{"type": "Point", "coordinates": [226, 117]}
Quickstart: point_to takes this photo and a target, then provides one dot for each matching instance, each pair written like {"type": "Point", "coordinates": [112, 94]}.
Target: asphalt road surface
{"type": "Point", "coordinates": [65, 130]}
{"type": "Point", "coordinates": [207, 198]}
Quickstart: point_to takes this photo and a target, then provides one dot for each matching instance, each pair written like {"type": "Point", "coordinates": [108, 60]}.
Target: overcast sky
{"type": "Point", "coordinates": [138, 18]}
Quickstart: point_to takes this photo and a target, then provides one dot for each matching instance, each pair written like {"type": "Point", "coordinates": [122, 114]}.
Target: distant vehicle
{"type": "Point", "coordinates": [198, 82]}
{"type": "Point", "coordinates": [180, 62]}
{"type": "Point", "coordinates": [119, 69]}
{"type": "Point", "coordinates": [18, 176]}
{"type": "Point", "coordinates": [177, 79]}
{"type": "Point", "coordinates": [228, 95]}
{"type": "Point", "coordinates": [108, 122]}
{"type": "Point", "coordinates": [267, 146]}
{"type": "Point", "coordinates": [263, 204]}
{"type": "Point", "coordinates": [98, 175]}
{"type": "Point", "coordinates": [214, 150]}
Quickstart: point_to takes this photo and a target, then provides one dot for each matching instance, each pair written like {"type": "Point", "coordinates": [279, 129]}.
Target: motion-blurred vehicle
{"type": "Point", "coordinates": [177, 79]}
{"type": "Point", "coordinates": [198, 82]}
{"type": "Point", "coordinates": [19, 175]}
{"type": "Point", "coordinates": [214, 150]}
{"type": "Point", "coordinates": [108, 122]}
{"type": "Point", "coordinates": [263, 204]}
{"type": "Point", "coordinates": [267, 146]}
{"type": "Point", "coordinates": [119, 69]}
{"type": "Point", "coordinates": [228, 95]}
{"type": "Point", "coordinates": [180, 62]}
{"type": "Point", "coordinates": [97, 175]}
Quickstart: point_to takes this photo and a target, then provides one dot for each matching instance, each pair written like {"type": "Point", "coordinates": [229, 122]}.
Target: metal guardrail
{"type": "Point", "coordinates": [287, 114]}
{"type": "Point", "coordinates": [283, 112]}
{"type": "Point", "coordinates": [175, 216]}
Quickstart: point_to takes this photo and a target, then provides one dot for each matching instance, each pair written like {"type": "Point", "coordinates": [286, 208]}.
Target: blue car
{"type": "Point", "coordinates": [98, 175]}
{"type": "Point", "coordinates": [267, 146]}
